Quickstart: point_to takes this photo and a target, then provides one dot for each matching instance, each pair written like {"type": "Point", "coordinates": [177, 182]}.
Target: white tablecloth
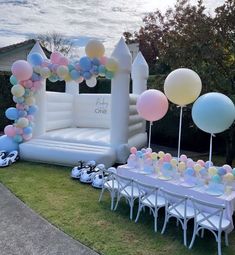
{"type": "Point", "coordinates": [174, 186]}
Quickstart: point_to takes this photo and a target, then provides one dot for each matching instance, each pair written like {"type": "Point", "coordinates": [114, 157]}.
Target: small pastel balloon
{"type": "Point", "coordinates": [95, 61]}
{"type": "Point", "coordinates": [102, 70]}
{"type": "Point", "coordinates": [91, 82]}
{"type": "Point", "coordinates": [12, 113]}
{"type": "Point", "coordinates": [216, 178]}
{"type": "Point", "coordinates": [94, 49]}
{"type": "Point", "coordinates": [22, 70]}
{"type": "Point", "coordinates": [143, 150]}
{"type": "Point", "coordinates": [109, 75]}
{"type": "Point", "coordinates": [27, 130]}
{"type": "Point", "coordinates": [30, 101]}
{"type": "Point", "coordinates": [22, 122]}
{"type": "Point", "coordinates": [183, 158]}
{"type": "Point", "coordinates": [17, 90]}
{"type": "Point", "coordinates": [208, 164]}
{"type": "Point", "coordinates": [85, 64]}
{"type": "Point", "coordinates": [190, 163]}
{"type": "Point", "coordinates": [37, 85]}
{"type": "Point", "coordinates": [139, 154]}
{"type": "Point", "coordinates": [30, 118]}
{"type": "Point", "coordinates": [22, 113]}
{"type": "Point", "coordinates": [149, 150]}
{"type": "Point", "coordinates": [201, 162]}
{"type": "Point", "coordinates": [18, 138]}
{"type": "Point", "coordinates": [228, 168]}
{"type": "Point", "coordinates": [35, 59]}
{"type": "Point", "coordinates": [19, 131]}
{"type": "Point", "coordinates": [221, 171]}
{"type": "Point", "coordinates": [37, 69]}
{"type": "Point", "coordinates": [27, 137]}
{"type": "Point", "coordinates": [154, 156]}
{"type": "Point", "coordinates": [13, 80]}
{"type": "Point", "coordinates": [228, 177]}
{"type": "Point", "coordinates": [32, 109]}
{"type": "Point", "coordinates": [132, 157]}
{"type": "Point", "coordinates": [111, 65]}
{"type": "Point", "coordinates": [167, 166]}
{"type": "Point", "coordinates": [161, 154]}
{"type": "Point", "coordinates": [45, 72]}
{"type": "Point", "coordinates": [80, 79]}
{"type": "Point", "coordinates": [55, 57]}
{"type": "Point", "coordinates": [10, 131]}
{"type": "Point", "coordinates": [212, 170]}
{"type": "Point", "coordinates": [190, 171]}
{"type": "Point", "coordinates": [174, 162]}
{"type": "Point", "coordinates": [28, 84]}
{"type": "Point", "coordinates": [133, 150]}
{"type": "Point", "coordinates": [197, 167]}
{"type": "Point", "coordinates": [63, 61]}
{"type": "Point", "coordinates": [152, 105]}
{"type": "Point", "coordinates": [75, 74]}
{"type": "Point", "coordinates": [167, 157]}
{"type": "Point", "coordinates": [203, 171]}
{"type": "Point", "coordinates": [181, 166]}
{"type": "Point", "coordinates": [103, 60]}
{"type": "Point", "coordinates": [62, 71]}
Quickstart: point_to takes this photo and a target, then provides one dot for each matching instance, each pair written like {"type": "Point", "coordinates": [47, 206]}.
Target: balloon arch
{"type": "Point", "coordinates": [28, 76]}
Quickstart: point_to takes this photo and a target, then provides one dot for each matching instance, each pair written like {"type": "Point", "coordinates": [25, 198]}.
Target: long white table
{"type": "Point", "coordinates": [175, 186]}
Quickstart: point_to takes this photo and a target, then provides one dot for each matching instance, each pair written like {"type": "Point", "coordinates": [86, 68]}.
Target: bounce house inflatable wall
{"type": "Point", "coordinates": [71, 126]}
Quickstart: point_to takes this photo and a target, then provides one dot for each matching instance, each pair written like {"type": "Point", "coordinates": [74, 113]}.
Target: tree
{"type": "Point", "coordinates": [188, 36]}
{"type": "Point", "coordinates": [55, 42]}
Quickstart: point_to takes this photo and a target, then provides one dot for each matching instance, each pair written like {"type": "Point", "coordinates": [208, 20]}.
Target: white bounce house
{"type": "Point", "coordinates": [71, 126]}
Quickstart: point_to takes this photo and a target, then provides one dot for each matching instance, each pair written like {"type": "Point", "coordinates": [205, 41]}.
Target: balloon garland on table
{"type": "Point", "coordinates": [182, 87]}
{"type": "Point", "coordinates": [27, 78]}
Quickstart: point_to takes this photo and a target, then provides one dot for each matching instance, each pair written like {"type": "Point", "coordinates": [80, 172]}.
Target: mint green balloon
{"type": "Point", "coordinates": [13, 80]}
{"type": "Point", "coordinates": [213, 112]}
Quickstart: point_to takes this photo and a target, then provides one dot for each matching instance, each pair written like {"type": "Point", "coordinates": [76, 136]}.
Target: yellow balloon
{"type": "Point", "coordinates": [228, 177]}
{"type": "Point", "coordinates": [182, 86]}
{"type": "Point", "coordinates": [181, 166]}
{"type": "Point", "coordinates": [22, 122]}
{"type": "Point", "coordinates": [94, 49]}
{"type": "Point", "coordinates": [154, 156]}
{"type": "Point", "coordinates": [197, 167]}
{"type": "Point", "coordinates": [212, 170]}
{"type": "Point", "coordinates": [62, 71]}
{"type": "Point", "coordinates": [112, 65]}
{"type": "Point", "coordinates": [161, 154]}
{"type": "Point", "coordinates": [30, 100]}
{"type": "Point", "coordinates": [17, 90]}
{"type": "Point", "coordinates": [174, 162]}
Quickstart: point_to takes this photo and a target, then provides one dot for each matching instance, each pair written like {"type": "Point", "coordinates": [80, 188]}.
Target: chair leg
{"type": "Point", "coordinates": [155, 221]}
{"type": "Point", "coordinates": [165, 222]}
{"type": "Point", "coordinates": [202, 233]}
{"type": "Point", "coordinates": [112, 200]}
{"type": "Point", "coordinates": [219, 243]}
{"type": "Point", "coordinates": [226, 238]}
{"type": "Point", "coordinates": [118, 198]}
{"type": "Point", "coordinates": [131, 209]}
{"type": "Point", "coordinates": [194, 236]}
{"type": "Point", "coordinates": [138, 213]}
{"type": "Point", "coordinates": [101, 195]}
{"type": "Point", "coordinates": [185, 234]}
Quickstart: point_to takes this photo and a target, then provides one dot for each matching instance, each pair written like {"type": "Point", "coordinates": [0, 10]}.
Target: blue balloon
{"type": "Point", "coordinates": [109, 75]}
{"type": "Point", "coordinates": [13, 80]}
{"type": "Point", "coordinates": [22, 113]}
{"type": "Point", "coordinates": [95, 70]}
{"type": "Point", "coordinates": [167, 166]}
{"type": "Point", "coordinates": [12, 113]}
{"type": "Point", "coordinates": [216, 178]}
{"type": "Point", "coordinates": [85, 63]}
{"type": "Point", "coordinates": [35, 59]}
{"type": "Point", "coordinates": [203, 171]}
{"type": "Point", "coordinates": [7, 144]}
{"type": "Point", "coordinates": [213, 112]}
{"type": "Point", "coordinates": [53, 78]}
{"type": "Point", "coordinates": [27, 130]}
{"type": "Point", "coordinates": [102, 69]}
{"type": "Point", "coordinates": [96, 61]}
{"type": "Point", "coordinates": [18, 139]}
{"type": "Point", "coordinates": [35, 77]}
{"type": "Point", "coordinates": [71, 67]}
{"type": "Point", "coordinates": [190, 171]}
{"type": "Point", "coordinates": [139, 154]}
{"type": "Point", "coordinates": [87, 75]}
{"type": "Point", "coordinates": [32, 109]}
{"type": "Point", "coordinates": [208, 164]}
{"type": "Point", "coordinates": [221, 171]}
{"type": "Point", "coordinates": [74, 74]}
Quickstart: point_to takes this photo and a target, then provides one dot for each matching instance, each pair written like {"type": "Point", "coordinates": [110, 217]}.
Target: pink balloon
{"type": "Point", "coordinates": [30, 117]}
{"type": "Point", "coordinates": [9, 130]}
{"type": "Point", "coordinates": [167, 157]}
{"type": "Point", "coordinates": [152, 105]}
{"type": "Point", "coordinates": [28, 84]}
{"type": "Point", "coordinates": [22, 70]}
{"type": "Point", "coordinates": [201, 162]}
{"type": "Point", "coordinates": [27, 137]}
{"type": "Point", "coordinates": [37, 85]}
{"type": "Point", "coordinates": [20, 106]}
{"type": "Point", "coordinates": [183, 158]}
{"type": "Point", "coordinates": [103, 60]}
{"type": "Point", "coordinates": [19, 131]}
{"type": "Point", "coordinates": [133, 150]}
{"type": "Point", "coordinates": [55, 57]}
{"type": "Point", "coordinates": [190, 163]}
{"type": "Point", "coordinates": [63, 61]}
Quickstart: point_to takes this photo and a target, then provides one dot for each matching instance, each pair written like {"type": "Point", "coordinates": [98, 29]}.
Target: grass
{"type": "Point", "coordinates": [74, 208]}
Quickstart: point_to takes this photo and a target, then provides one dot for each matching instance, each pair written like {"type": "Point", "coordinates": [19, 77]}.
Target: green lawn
{"type": "Point", "coordinates": [74, 208]}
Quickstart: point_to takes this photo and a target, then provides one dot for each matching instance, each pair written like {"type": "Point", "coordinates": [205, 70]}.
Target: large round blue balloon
{"type": "Point", "coordinates": [7, 144]}
{"type": "Point", "coordinates": [85, 63]}
{"type": "Point", "coordinates": [35, 59]}
{"type": "Point", "coordinates": [213, 112]}
{"type": "Point", "coordinates": [12, 113]}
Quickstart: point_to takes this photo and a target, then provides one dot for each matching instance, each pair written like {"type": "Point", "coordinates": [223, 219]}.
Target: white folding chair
{"type": "Point", "coordinates": [109, 183]}
{"type": "Point", "coordinates": [127, 190]}
{"type": "Point", "coordinates": [211, 217]}
{"type": "Point", "coordinates": [149, 197]}
{"type": "Point", "coordinates": [177, 207]}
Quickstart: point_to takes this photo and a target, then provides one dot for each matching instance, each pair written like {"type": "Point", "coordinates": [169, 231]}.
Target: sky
{"type": "Point", "coordinates": [79, 20]}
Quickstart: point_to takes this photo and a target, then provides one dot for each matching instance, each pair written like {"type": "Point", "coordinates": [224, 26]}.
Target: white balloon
{"type": "Point", "coordinates": [91, 82]}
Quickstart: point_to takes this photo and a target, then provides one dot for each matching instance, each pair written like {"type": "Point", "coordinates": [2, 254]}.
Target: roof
{"type": "Point", "coordinates": [21, 44]}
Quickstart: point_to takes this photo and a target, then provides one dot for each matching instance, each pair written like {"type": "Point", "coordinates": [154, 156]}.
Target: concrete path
{"type": "Point", "coordinates": [23, 232]}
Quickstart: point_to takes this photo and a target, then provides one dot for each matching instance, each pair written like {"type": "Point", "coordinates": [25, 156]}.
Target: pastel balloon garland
{"type": "Point", "coordinates": [28, 76]}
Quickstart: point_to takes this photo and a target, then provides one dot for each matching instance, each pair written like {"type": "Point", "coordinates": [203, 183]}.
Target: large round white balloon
{"type": "Point", "coordinates": [182, 86]}
{"type": "Point", "coordinates": [213, 112]}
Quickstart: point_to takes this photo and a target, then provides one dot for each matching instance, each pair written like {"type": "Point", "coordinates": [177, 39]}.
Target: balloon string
{"type": "Point", "coordinates": [210, 153]}
{"type": "Point", "coordinates": [180, 127]}
{"type": "Point", "coordinates": [150, 131]}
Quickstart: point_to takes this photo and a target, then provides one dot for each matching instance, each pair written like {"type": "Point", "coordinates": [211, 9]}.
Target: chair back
{"type": "Point", "coordinates": [125, 185]}
{"type": "Point", "coordinates": [146, 192]}
{"type": "Point", "coordinates": [205, 212]}
{"type": "Point", "coordinates": [108, 177]}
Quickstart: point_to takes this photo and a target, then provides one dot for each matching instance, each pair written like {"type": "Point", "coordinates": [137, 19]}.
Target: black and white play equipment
{"type": "Point", "coordinates": [6, 159]}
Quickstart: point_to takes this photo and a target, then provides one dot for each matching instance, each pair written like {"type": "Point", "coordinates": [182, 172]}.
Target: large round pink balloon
{"type": "Point", "coordinates": [152, 105]}
{"type": "Point", "coordinates": [22, 70]}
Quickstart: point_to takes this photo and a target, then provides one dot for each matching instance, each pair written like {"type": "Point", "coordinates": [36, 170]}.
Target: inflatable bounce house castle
{"type": "Point", "coordinates": [70, 126]}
